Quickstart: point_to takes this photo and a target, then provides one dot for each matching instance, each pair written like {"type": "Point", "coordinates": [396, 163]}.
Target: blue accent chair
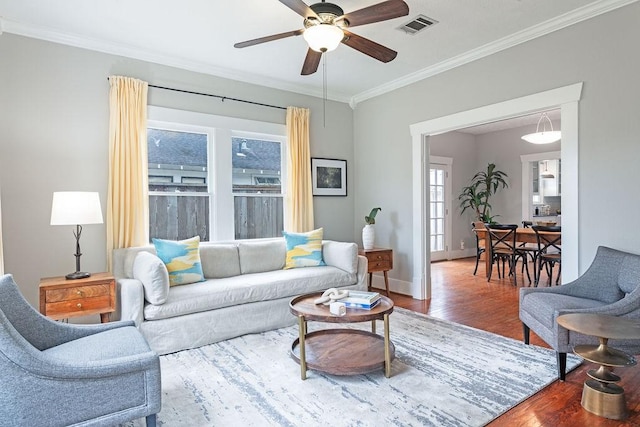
{"type": "Point", "coordinates": [611, 286]}
{"type": "Point", "coordinates": [58, 374]}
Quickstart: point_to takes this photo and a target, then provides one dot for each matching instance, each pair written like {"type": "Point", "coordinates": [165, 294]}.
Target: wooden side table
{"type": "Point", "coordinates": [380, 259]}
{"type": "Point", "coordinates": [61, 298]}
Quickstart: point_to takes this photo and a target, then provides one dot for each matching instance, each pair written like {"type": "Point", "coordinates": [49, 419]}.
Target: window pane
{"type": "Point", "coordinates": [256, 167]}
{"type": "Point", "coordinates": [178, 217]}
{"type": "Point", "coordinates": [178, 165]}
{"type": "Point", "coordinates": [257, 217]}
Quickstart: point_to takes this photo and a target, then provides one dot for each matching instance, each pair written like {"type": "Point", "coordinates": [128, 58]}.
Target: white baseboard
{"type": "Point", "coordinates": [395, 285]}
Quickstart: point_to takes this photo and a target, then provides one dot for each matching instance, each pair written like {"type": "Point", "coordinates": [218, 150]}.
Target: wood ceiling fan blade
{"type": "Point", "coordinates": [378, 12]}
{"type": "Point", "coordinates": [268, 39]}
{"type": "Point", "coordinates": [311, 62]}
{"type": "Point", "coordinates": [368, 47]}
{"type": "Point", "coordinates": [299, 7]}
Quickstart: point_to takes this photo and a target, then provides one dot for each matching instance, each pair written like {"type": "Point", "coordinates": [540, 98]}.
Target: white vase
{"type": "Point", "coordinates": [368, 236]}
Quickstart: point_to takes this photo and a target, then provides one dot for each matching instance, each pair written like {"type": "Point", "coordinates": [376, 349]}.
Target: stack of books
{"type": "Point", "coordinates": [361, 299]}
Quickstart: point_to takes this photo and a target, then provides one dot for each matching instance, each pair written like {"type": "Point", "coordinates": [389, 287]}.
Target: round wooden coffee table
{"type": "Point", "coordinates": [341, 351]}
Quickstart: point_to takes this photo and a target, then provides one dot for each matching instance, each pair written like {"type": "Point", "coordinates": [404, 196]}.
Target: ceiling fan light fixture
{"type": "Point", "coordinates": [323, 37]}
{"type": "Point", "coordinates": [544, 136]}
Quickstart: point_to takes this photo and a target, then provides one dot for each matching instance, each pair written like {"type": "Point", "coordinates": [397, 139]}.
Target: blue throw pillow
{"type": "Point", "coordinates": [182, 259]}
{"type": "Point", "coordinates": [304, 249]}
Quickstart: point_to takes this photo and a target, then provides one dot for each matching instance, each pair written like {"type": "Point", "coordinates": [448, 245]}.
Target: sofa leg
{"type": "Point", "coordinates": [525, 331]}
{"type": "Point", "coordinates": [562, 365]}
{"type": "Point", "coordinates": [151, 420]}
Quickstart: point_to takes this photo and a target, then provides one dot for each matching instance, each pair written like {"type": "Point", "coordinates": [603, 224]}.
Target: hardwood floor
{"type": "Point", "coordinates": [461, 297]}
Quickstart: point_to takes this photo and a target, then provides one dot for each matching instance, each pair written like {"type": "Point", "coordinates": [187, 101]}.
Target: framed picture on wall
{"type": "Point", "coordinates": [329, 177]}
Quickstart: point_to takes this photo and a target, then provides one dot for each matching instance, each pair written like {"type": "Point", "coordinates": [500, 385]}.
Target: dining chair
{"type": "Point", "coordinates": [530, 250]}
{"type": "Point", "coordinates": [549, 252]}
{"type": "Point", "coordinates": [501, 240]}
{"type": "Point", "coordinates": [480, 243]}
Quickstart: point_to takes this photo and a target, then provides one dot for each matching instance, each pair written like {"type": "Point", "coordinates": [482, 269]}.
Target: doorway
{"type": "Point", "coordinates": [567, 99]}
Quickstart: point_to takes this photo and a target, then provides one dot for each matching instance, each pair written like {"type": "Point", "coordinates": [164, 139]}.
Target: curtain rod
{"type": "Point", "coordinates": [223, 98]}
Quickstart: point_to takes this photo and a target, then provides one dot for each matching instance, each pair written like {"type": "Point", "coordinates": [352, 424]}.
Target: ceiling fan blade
{"type": "Point", "coordinates": [368, 47]}
{"type": "Point", "coordinates": [299, 7]}
{"type": "Point", "coordinates": [268, 38]}
{"type": "Point", "coordinates": [378, 12]}
{"type": "Point", "coordinates": [311, 62]}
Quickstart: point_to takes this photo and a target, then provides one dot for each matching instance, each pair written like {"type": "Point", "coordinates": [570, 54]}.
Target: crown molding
{"type": "Point", "coordinates": [578, 15]}
{"type": "Point", "coordinates": [41, 33]}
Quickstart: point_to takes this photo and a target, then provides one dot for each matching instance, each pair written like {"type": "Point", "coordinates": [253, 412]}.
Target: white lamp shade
{"type": "Point", "coordinates": [75, 208]}
{"type": "Point", "coordinates": [323, 37]}
{"type": "Point", "coordinates": [543, 137]}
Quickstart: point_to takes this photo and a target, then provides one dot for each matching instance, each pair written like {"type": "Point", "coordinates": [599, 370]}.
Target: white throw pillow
{"type": "Point", "coordinates": [153, 274]}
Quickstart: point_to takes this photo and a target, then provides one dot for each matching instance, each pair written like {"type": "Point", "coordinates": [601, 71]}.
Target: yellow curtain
{"type": "Point", "coordinates": [127, 200]}
{"type": "Point", "coordinates": [299, 200]}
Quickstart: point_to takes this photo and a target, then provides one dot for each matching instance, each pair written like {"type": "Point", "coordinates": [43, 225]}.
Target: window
{"type": "Point", "coordinates": [217, 177]}
{"type": "Point", "coordinates": [178, 192]}
{"type": "Point", "coordinates": [257, 190]}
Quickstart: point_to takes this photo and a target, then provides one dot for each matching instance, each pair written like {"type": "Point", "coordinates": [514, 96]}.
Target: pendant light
{"type": "Point", "coordinates": [544, 136]}
{"type": "Point", "coordinates": [546, 173]}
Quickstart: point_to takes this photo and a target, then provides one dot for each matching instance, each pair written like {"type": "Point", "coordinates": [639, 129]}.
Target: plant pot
{"type": "Point", "coordinates": [368, 236]}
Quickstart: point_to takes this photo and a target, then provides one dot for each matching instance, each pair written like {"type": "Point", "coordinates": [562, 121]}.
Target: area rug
{"type": "Point", "coordinates": [444, 374]}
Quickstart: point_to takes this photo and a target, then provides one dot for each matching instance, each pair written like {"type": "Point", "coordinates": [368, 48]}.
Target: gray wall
{"type": "Point", "coordinates": [54, 115]}
{"type": "Point", "coordinates": [601, 52]}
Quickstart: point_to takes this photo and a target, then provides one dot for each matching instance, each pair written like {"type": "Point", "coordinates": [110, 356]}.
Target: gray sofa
{"type": "Point", "coordinates": [246, 291]}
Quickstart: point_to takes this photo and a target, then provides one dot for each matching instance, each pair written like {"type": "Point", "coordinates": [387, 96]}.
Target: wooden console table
{"type": "Point", "coordinates": [380, 259]}
{"type": "Point", "coordinates": [61, 298]}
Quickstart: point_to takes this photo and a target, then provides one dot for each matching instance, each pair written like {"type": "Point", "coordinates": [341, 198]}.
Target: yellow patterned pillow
{"type": "Point", "coordinates": [182, 259]}
{"type": "Point", "coordinates": [304, 249]}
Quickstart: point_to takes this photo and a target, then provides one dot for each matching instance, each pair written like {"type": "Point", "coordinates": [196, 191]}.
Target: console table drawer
{"type": "Point", "coordinates": [77, 307]}
{"type": "Point", "coordinates": [81, 292]}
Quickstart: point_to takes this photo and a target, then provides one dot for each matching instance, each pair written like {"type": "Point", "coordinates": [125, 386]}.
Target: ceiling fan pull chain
{"type": "Point", "coordinates": [324, 90]}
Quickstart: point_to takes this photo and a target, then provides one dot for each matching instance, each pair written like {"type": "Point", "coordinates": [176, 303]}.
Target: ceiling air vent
{"type": "Point", "coordinates": [417, 24]}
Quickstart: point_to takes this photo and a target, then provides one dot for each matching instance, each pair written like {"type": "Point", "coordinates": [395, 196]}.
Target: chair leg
{"type": "Point", "coordinates": [526, 332]}
{"type": "Point", "coordinates": [476, 269]}
{"type": "Point", "coordinates": [151, 420]}
{"type": "Point", "coordinates": [559, 272]}
{"type": "Point", "coordinates": [562, 365]}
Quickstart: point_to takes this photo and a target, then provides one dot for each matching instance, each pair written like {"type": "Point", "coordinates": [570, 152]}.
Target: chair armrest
{"type": "Point", "coordinates": [130, 301]}
{"type": "Point", "coordinates": [363, 267]}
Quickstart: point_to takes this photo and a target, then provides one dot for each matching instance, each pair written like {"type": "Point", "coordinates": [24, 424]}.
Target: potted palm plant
{"type": "Point", "coordinates": [476, 195]}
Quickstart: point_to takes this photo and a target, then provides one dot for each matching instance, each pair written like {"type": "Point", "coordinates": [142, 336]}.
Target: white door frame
{"type": "Point", "coordinates": [446, 162]}
{"type": "Point", "coordinates": [567, 98]}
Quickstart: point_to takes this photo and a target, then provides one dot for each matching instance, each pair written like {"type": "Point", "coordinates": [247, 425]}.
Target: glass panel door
{"type": "Point", "coordinates": [438, 210]}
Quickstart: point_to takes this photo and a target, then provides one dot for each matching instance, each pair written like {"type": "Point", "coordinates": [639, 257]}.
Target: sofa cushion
{"type": "Point", "coordinates": [153, 274]}
{"type": "Point", "coordinates": [341, 254]}
{"type": "Point", "coordinates": [304, 249]}
{"type": "Point", "coordinates": [247, 288]}
{"type": "Point", "coordinates": [219, 260]}
{"type": "Point", "coordinates": [182, 259]}
{"type": "Point", "coordinates": [261, 255]}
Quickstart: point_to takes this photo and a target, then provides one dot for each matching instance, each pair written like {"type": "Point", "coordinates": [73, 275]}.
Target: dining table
{"type": "Point", "coordinates": [523, 235]}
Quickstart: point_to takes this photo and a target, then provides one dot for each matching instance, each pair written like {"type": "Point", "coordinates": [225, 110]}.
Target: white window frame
{"type": "Point", "coordinates": [221, 220]}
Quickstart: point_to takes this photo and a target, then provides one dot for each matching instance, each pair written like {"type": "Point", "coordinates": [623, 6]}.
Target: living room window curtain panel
{"type": "Point", "coordinates": [299, 199]}
{"type": "Point", "coordinates": [127, 201]}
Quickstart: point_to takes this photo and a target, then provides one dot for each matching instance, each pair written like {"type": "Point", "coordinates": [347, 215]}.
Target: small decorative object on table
{"type": "Point", "coordinates": [369, 232]}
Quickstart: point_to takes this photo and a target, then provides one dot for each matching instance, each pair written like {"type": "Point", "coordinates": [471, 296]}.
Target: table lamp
{"type": "Point", "coordinates": [75, 208]}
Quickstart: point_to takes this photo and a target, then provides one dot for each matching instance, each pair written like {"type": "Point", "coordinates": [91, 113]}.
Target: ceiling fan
{"type": "Point", "coordinates": [325, 27]}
